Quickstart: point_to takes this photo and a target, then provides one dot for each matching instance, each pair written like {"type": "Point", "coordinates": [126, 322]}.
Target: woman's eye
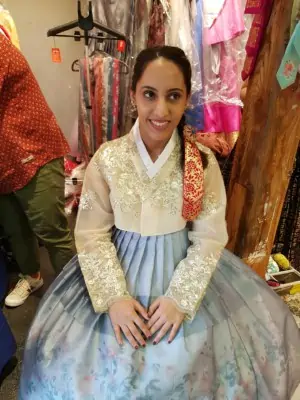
{"type": "Point", "coordinates": [149, 94]}
{"type": "Point", "coordinates": [175, 96]}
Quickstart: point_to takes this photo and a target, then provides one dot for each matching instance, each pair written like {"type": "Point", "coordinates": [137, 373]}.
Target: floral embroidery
{"type": "Point", "coordinates": [210, 204]}
{"type": "Point", "coordinates": [129, 189]}
{"type": "Point", "coordinates": [289, 69]}
{"type": "Point", "coordinates": [193, 188]}
{"type": "Point", "coordinates": [191, 278]}
{"type": "Point", "coordinates": [102, 273]}
{"type": "Point", "coordinates": [87, 199]}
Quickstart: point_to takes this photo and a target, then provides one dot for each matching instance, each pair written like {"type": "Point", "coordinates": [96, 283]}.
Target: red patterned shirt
{"type": "Point", "coordinates": [29, 134]}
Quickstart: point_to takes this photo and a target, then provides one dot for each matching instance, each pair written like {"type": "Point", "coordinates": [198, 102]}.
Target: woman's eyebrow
{"type": "Point", "coordinates": [155, 90]}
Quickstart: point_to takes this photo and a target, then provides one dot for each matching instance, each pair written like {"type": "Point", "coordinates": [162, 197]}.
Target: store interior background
{"type": "Point", "coordinates": [61, 88]}
{"type": "Point", "coordinates": [58, 83]}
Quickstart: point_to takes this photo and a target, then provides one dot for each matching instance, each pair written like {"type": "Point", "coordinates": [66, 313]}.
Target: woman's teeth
{"type": "Point", "coordinates": [159, 124]}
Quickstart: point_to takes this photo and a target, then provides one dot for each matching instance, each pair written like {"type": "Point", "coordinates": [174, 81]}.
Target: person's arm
{"type": "Point", "coordinates": [208, 237]}
{"type": "Point", "coordinates": [97, 254]}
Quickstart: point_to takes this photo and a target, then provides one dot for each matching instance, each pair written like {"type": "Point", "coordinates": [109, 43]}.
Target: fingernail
{"type": "Point", "coordinates": [136, 347]}
{"type": "Point", "coordinates": [148, 337]}
{"type": "Point", "coordinates": [169, 341]}
{"type": "Point", "coordinates": [154, 343]}
{"type": "Point", "coordinates": [144, 345]}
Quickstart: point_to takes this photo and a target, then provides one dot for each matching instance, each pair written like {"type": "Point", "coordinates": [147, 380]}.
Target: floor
{"type": "Point", "coordinates": [20, 320]}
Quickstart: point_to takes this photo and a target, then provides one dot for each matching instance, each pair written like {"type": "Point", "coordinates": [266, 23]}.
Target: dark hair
{"type": "Point", "coordinates": [178, 57]}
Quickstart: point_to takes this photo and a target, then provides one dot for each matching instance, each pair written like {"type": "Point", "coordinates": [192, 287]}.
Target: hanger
{"type": "Point", "coordinates": [75, 66]}
{"type": "Point", "coordinates": [87, 24]}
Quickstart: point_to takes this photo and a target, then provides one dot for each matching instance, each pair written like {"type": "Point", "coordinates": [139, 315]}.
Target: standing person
{"type": "Point", "coordinates": [154, 307]}
{"type": "Point", "coordinates": [31, 174]}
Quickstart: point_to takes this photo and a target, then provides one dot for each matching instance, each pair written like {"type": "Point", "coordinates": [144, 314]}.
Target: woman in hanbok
{"type": "Point", "coordinates": [154, 307]}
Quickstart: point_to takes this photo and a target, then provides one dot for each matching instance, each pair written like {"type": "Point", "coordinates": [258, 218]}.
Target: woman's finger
{"type": "Point", "coordinates": [158, 325]}
{"type": "Point", "coordinates": [154, 306]}
{"type": "Point", "coordinates": [173, 332]}
{"type": "Point", "coordinates": [164, 330]}
{"type": "Point", "coordinates": [155, 317]}
{"type": "Point", "coordinates": [129, 337]}
{"type": "Point", "coordinates": [136, 334]}
{"type": "Point", "coordinates": [138, 322]}
{"type": "Point", "coordinates": [140, 309]}
{"type": "Point", "coordinates": [118, 334]}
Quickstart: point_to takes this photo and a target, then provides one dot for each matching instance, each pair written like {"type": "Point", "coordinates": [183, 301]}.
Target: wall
{"type": "Point", "coordinates": [58, 83]}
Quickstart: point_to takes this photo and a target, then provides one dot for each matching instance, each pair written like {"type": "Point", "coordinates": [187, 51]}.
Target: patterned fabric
{"type": "Point", "coordinates": [242, 344]}
{"type": "Point", "coordinates": [119, 192]}
{"type": "Point", "coordinates": [30, 136]}
{"type": "Point", "coordinates": [157, 25]}
{"type": "Point", "coordinates": [220, 143]}
{"type": "Point", "coordinates": [254, 6]}
{"type": "Point", "coordinates": [290, 64]}
{"type": "Point", "coordinates": [262, 10]}
{"type": "Point", "coordinates": [193, 178]}
{"type": "Point", "coordinates": [105, 100]}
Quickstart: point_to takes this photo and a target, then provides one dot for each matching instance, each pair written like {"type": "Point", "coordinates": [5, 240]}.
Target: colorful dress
{"type": "Point", "coordinates": [238, 341]}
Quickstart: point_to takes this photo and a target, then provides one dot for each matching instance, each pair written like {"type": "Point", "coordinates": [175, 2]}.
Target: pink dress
{"type": "Point", "coordinates": [223, 59]}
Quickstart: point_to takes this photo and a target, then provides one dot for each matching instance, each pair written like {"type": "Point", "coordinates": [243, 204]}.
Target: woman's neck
{"type": "Point", "coordinates": [154, 148]}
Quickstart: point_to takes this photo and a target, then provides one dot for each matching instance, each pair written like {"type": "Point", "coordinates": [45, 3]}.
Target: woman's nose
{"type": "Point", "coordinates": [161, 109]}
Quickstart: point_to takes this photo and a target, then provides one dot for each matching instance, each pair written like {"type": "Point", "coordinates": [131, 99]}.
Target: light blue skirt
{"type": "Point", "coordinates": [243, 343]}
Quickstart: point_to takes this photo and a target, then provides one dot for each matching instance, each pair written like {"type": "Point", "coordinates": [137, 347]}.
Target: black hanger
{"type": "Point", "coordinates": [87, 24]}
{"type": "Point", "coordinates": [75, 66]}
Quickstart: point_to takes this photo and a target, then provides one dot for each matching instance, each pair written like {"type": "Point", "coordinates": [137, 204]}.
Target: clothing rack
{"type": "Point", "coordinates": [87, 25]}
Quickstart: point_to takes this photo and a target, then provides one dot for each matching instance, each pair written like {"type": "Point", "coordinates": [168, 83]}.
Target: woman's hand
{"type": "Point", "coordinates": [125, 316]}
{"type": "Point", "coordinates": [164, 315]}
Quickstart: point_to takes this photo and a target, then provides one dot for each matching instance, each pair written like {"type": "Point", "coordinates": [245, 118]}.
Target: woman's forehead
{"type": "Point", "coordinates": [162, 73]}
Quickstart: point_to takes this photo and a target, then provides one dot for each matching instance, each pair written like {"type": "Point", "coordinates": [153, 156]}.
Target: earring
{"type": "Point", "coordinates": [134, 108]}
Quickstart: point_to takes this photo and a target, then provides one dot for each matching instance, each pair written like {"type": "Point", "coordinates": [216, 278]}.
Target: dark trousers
{"type": "Point", "coordinates": [37, 211]}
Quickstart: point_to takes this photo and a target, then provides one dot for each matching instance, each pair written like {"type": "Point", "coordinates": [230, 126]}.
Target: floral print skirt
{"type": "Point", "coordinates": [243, 343]}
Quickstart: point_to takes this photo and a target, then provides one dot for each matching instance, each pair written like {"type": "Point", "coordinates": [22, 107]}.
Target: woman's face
{"type": "Point", "coordinates": [161, 98]}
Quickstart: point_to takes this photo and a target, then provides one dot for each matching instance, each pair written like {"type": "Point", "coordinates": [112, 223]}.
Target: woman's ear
{"type": "Point", "coordinates": [132, 98]}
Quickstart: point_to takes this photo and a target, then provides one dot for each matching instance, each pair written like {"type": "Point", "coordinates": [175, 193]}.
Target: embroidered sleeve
{"type": "Point", "coordinates": [97, 254]}
{"type": "Point", "coordinates": [208, 238]}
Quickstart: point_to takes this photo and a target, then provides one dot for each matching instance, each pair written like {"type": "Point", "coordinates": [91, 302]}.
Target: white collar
{"type": "Point", "coordinates": [153, 168]}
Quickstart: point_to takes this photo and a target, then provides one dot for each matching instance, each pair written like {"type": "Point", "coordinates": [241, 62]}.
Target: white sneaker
{"type": "Point", "coordinates": [23, 290]}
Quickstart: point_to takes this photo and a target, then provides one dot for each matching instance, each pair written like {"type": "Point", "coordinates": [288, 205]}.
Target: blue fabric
{"type": "Point", "coordinates": [195, 114]}
{"type": "Point", "coordinates": [7, 341]}
{"type": "Point", "coordinates": [243, 343]}
{"type": "Point", "coordinates": [290, 63]}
